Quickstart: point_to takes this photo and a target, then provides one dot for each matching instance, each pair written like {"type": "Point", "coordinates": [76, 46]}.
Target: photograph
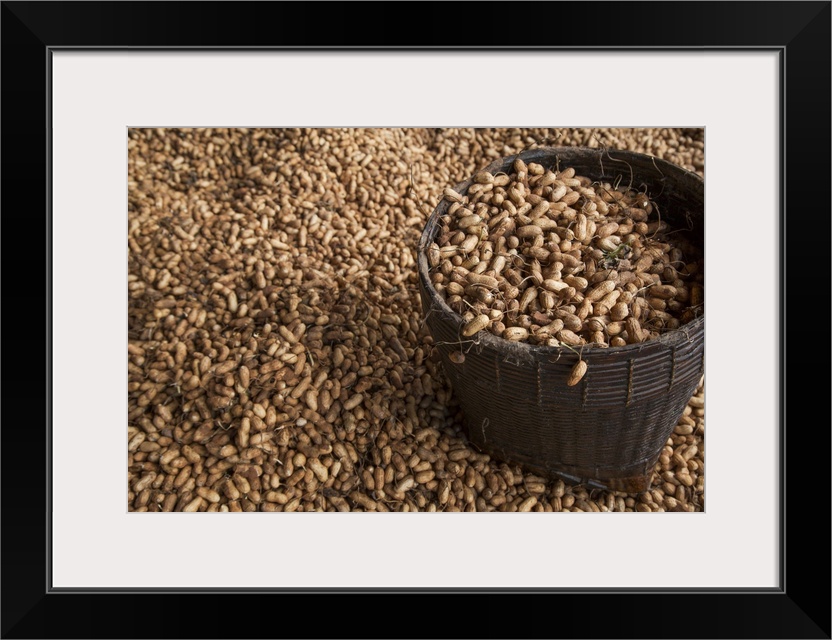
{"type": "Point", "coordinates": [416, 320]}
{"type": "Point", "coordinates": [440, 286]}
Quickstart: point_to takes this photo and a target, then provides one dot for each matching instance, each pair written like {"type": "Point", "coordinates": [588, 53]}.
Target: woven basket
{"type": "Point", "coordinates": [608, 430]}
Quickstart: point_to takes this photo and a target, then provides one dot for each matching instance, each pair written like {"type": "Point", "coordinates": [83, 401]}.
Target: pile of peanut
{"type": "Point", "coordinates": [547, 257]}
{"type": "Point", "coordinates": [278, 358]}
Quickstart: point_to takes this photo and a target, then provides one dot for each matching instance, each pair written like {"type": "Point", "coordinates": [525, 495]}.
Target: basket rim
{"type": "Point", "coordinates": [670, 338]}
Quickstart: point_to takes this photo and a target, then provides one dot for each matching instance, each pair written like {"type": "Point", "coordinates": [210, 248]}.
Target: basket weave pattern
{"type": "Point", "coordinates": [608, 430]}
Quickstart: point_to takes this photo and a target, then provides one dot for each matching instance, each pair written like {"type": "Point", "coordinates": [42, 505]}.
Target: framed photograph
{"type": "Point", "coordinates": [259, 178]}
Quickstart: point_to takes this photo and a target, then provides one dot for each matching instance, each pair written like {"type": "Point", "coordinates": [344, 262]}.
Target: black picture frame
{"type": "Point", "coordinates": [31, 608]}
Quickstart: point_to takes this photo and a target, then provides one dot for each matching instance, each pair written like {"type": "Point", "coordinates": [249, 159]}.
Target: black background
{"type": "Point", "coordinates": [799, 609]}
